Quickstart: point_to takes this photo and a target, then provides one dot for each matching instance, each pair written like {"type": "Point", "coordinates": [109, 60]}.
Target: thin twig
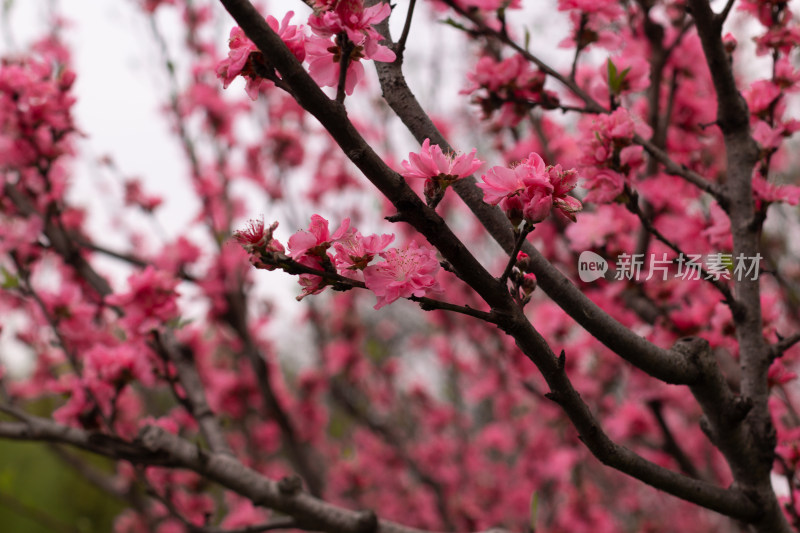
{"type": "Point", "coordinates": [671, 445]}
{"type": "Point", "coordinates": [400, 48]}
{"type": "Point", "coordinates": [723, 15]}
{"type": "Point", "coordinates": [339, 282]}
{"type": "Point", "coordinates": [512, 257]}
{"type": "Point", "coordinates": [346, 47]}
{"type": "Point", "coordinates": [784, 344]}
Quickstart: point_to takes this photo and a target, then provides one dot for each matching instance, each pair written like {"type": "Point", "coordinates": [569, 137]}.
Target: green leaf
{"type": "Point", "coordinates": [10, 281]}
{"type": "Point", "coordinates": [616, 79]}
{"type": "Point", "coordinates": [450, 22]}
{"type": "Point", "coordinates": [612, 70]}
{"type": "Point", "coordinates": [534, 510]}
{"type": "Point", "coordinates": [527, 38]}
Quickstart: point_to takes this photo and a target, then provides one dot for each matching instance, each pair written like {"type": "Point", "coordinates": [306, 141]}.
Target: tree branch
{"type": "Point", "coordinates": [510, 316]}
{"type": "Point", "coordinates": [195, 392]}
{"type": "Point", "coordinates": [654, 360]}
{"type": "Point", "coordinates": [308, 512]}
{"type": "Point", "coordinates": [751, 464]}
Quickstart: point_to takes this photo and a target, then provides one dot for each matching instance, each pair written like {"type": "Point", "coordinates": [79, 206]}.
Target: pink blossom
{"type": "Point", "coordinates": [617, 126]}
{"type": "Point", "coordinates": [257, 239]}
{"type": "Point", "coordinates": [135, 196]}
{"type": "Point", "coordinates": [608, 8]}
{"type": "Point", "coordinates": [564, 181]}
{"type": "Point", "coordinates": [786, 76]}
{"type": "Point", "coordinates": [604, 185]}
{"type": "Point", "coordinates": [317, 239]}
{"type": "Point", "coordinates": [778, 38]}
{"type": "Point", "coordinates": [309, 248]}
{"type": "Point", "coordinates": [245, 59]}
{"type": "Point", "coordinates": [240, 49]}
{"type": "Point", "coordinates": [118, 365]}
{"type": "Point", "coordinates": [719, 232]}
{"type": "Point", "coordinates": [324, 64]}
{"type": "Point", "coordinates": [769, 192]}
{"type": "Point", "coordinates": [763, 10]}
{"type": "Point", "coordinates": [355, 252]}
{"type": "Point", "coordinates": [502, 182]}
{"type": "Point", "coordinates": [350, 17]}
{"type": "Point", "coordinates": [530, 189]}
{"type": "Point", "coordinates": [767, 137]}
{"type": "Point", "coordinates": [510, 85]}
{"type": "Point", "coordinates": [150, 301]}
{"type": "Point", "coordinates": [762, 96]}
{"type": "Point", "coordinates": [403, 273]}
{"type": "Point", "coordinates": [432, 162]}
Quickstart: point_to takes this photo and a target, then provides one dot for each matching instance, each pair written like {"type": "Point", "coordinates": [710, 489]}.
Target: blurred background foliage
{"type": "Point", "coordinates": [40, 493]}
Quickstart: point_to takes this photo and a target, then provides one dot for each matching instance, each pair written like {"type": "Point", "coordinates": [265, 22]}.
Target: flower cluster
{"type": "Point", "coordinates": [349, 24]}
{"type": "Point", "coordinates": [404, 272]}
{"type": "Point", "coordinates": [244, 58]}
{"type": "Point", "coordinates": [341, 32]}
{"type": "Point", "coordinates": [439, 170]}
{"type": "Point", "coordinates": [510, 86]}
{"type": "Point", "coordinates": [610, 155]}
{"type": "Point", "coordinates": [150, 302]}
{"type": "Point", "coordinates": [257, 239]}
{"type": "Point", "coordinates": [36, 123]}
{"type": "Point", "coordinates": [528, 190]}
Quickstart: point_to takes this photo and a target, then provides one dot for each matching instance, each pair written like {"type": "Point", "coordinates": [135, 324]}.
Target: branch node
{"type": "Point", "coordinates": [708, 431]}
{"type": "Point", "coordinates": [290, 485]}
{"type": "Point", "coordinates": [553, 397]}
{"type": "Point", "coordinates": [397, 217]}
{"type": "Point", "coordinates": [740, 407]}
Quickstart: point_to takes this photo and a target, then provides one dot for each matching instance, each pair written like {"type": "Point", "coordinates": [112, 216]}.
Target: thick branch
{"type": "Point", "coordinates": [752, 464]}
{"type": "Point", "coordinates": [655, 361]}
{"type": "Point", "coordinates": [309, 512]}
{"type": "Point", "coordinates": [510, 316]}
{"type": "Point", "coordinates": [195, 392]}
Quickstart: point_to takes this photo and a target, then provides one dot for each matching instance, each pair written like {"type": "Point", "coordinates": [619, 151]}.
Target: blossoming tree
{"type": "Point", "coordinates": [474, 363]}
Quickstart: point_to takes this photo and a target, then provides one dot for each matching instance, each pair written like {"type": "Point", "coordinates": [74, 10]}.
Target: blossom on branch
{"type": "Point", "coordinates": [355, 252]}
{"type": "Point", "coordinates": [257, 239]}
{"type": "Point", "coordinates": [349, 23]}
{"type": "Point", "coordinates": [350, 17]}
{"type": "Point", "coordinates": [403, 273]}
{"type": "Point", "coordinates": [246, 60]}
{"type": "Point", "coordinates": [438, 169]}
{"type": "Point", "coordinates": [150, 302]}
{"type": "Point", "coordinates": [317, 239]}
{"type": "Point", "coordinates": [528, 190]}
{"type": "Point", "coordinates": [431, 162]}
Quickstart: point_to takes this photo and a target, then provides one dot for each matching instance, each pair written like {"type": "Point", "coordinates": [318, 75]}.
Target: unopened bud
{"type": "Point", "coordinates": [528, 284]}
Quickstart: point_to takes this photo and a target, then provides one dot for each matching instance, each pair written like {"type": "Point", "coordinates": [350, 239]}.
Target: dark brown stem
{"type": "Point", "coordinates": [671, 445]}
{"type": "Point", "coordinates": [512, 257]}
{"type": "Point", "coordinates": [400, 48]}
{"type": "Point", "coordinates": [346, 47]}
